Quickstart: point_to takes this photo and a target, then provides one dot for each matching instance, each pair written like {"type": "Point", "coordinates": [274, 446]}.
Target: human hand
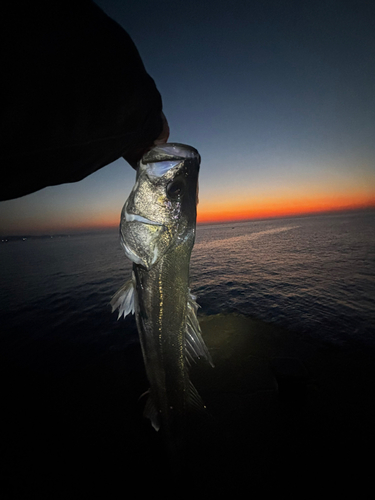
{"type": "Point", "coordinates": [136, 155]}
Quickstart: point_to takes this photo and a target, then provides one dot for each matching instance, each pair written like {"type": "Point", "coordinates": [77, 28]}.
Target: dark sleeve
{"type": "Point", "coordinates": [75, 95]}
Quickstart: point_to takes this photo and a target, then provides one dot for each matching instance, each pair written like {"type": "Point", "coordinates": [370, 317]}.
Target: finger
{"type": "Point", "coordinates": [163, 137]}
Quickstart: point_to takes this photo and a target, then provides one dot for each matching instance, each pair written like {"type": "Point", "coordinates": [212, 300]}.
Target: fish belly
{"type": "Point", "coordinates": [162, 294]}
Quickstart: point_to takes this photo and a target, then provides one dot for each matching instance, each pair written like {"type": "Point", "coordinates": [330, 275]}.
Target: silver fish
{"type": "Point", "coordinates": [158, 224]}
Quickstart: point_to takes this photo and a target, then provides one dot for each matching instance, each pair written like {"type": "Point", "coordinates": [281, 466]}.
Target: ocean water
{"type": "Point", "coordinates": [72, 374]}
{"type": "Point", "coordinates": [312, 275]}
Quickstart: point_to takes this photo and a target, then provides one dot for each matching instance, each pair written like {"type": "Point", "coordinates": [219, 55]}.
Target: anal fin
{"type": "Point", "coordinates": [150, 411]}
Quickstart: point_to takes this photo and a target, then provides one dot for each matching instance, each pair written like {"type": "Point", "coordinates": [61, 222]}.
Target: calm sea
{"type": "Point", "coordinates": [313, 275]}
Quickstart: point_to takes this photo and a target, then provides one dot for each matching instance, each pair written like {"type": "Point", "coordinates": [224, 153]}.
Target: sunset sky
{"type": "Point", "coordinates": [278, 97]}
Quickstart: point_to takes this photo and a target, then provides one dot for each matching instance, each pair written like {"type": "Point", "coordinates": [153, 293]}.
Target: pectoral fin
{"type": "Point", "coordinates": [124, 299]}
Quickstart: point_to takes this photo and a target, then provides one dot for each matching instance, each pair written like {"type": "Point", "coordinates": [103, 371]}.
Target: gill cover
{"type": "Point", "coordinates": [161, 208]}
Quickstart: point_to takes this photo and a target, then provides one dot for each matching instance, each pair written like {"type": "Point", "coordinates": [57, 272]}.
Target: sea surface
{"type": "Point", "coordinates": [311, 275]}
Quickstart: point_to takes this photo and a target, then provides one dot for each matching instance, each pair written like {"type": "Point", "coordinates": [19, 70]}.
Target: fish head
{"type": "Point", "coordinates": [161, 209]}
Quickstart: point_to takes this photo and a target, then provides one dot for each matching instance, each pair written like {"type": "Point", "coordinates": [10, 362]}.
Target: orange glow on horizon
{"type": "Point", "coordinates": [281, 208]}
{"type": "Point", "coordinates": [214, 212]}
{"type": "Point", "coordinates": [208, 212]}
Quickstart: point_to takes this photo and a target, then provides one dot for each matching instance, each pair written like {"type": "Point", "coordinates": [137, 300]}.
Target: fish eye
{"type": "Point", "coordinates": [175, 189]}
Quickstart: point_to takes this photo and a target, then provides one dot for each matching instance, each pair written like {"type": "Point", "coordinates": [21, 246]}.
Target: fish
{"type": "Point", "coordinates": [157, 233]}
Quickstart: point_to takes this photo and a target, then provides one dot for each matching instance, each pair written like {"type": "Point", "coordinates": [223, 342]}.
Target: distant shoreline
{"type": "Point", "coordinates": [26, 237]}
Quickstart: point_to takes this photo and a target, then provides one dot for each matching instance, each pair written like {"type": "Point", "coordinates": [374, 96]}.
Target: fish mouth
{"type": "Point", "coordinates": [140, 218]}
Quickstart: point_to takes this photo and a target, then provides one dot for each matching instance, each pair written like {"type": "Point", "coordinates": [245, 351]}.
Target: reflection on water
{"type": "Point", "coordinates": [228, 242]}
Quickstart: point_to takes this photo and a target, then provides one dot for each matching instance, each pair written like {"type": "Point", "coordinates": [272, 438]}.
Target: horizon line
{"type": "Point", "coordinates": [67, 231]}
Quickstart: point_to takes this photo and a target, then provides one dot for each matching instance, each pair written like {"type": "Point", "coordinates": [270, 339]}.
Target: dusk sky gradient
{"type": "Point", "coordinates": [278, 98]}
